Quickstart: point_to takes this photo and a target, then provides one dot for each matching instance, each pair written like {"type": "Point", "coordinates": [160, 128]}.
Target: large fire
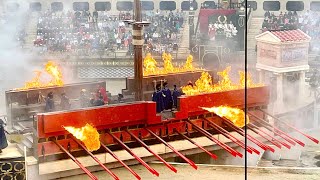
{"type": "Point", "coordinates": [235, 115]}
{"type": "Point", "coordinates": [151, 68]}
{"type": "Point", "coordinates": [205, 85]}
{"type": "Point", "coordinates": [55, 73]}
{"type": "Point", "coordinates": [87, 134]}
{"type": "Point", "coordinates": [150, 65]}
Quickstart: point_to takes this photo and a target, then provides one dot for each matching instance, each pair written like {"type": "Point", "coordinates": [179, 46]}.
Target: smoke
{"type": "Point", "coordinates": [15, 66]}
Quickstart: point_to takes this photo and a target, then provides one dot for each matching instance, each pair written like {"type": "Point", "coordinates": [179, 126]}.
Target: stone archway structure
{"type": "Point", "coordinates": [281, 55]}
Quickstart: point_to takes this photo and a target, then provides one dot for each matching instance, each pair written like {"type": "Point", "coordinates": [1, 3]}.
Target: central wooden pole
{"type": "Point", "coordinates": [138, 43]}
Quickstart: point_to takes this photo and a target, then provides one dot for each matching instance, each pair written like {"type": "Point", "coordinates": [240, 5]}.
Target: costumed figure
{"type": "Point", "coordinates": [216, 25]}
{"type": "Point", "coordinates": [158, 97]}
{"type": "Point", "coordinates": [175, 94]}
{"type": "Point", "coordinates": [99, 101]}
{"type": "Point", "coordinates": [227, 31]}
{"type": "Point", "coordinates": [102, 91]}
{"type": "Point", "coordinates": [3, 139]}
{"type": "Point", "coordinates": [50, 103]}
{"type": "Point", "coordinates": [65, 102]}
{"type": "Point", "coordinates": [212, 32]}
{"type": "Point", "coordinates": [167, 100]}
{"type": "Point", "coordinates": [84, 99]}
{"type": "Point", "coordinates": [233, 29]}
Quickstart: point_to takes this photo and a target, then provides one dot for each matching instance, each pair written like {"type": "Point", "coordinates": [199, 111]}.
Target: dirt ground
{"type": "Point", "coordinates": [303, 169]}
{"type": "Point", "coordinates": [208, 173]}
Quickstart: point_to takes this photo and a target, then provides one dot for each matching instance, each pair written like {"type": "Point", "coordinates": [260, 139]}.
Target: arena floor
{"type": "Point", "coordinates": [303, 169]}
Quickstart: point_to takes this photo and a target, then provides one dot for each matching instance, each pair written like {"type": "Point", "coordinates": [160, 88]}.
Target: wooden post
{"type": "Point", "coordinates": [138, 42]}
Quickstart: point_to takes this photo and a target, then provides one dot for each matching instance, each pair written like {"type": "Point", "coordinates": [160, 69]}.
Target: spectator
{"type": "Point", "coordinates": [3, 139]}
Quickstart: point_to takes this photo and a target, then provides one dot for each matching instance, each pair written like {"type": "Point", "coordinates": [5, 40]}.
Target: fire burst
{"type": "Point", "coordinates": [87, 134]}
{"type": "Point", "coordinates": [205, 85]}
{"type": "Point", "coordinates": [235, 115]}
{"type": "Point", "coordinates": [151, 68]}
{"type": "Point", "coordinates": [51, 69]}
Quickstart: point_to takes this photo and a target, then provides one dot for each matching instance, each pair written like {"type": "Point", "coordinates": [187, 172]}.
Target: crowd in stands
{"type": "Point", "coordinates": [85, 33]}
{"type": "Point", "coordinates": [309, 22]}
{"type": "Point", "coordinates": [283, 21]}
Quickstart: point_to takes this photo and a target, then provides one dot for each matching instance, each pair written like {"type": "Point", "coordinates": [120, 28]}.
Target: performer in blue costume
{"type": "Point", "coordinates": [3, 139]}
{"type": "Point", "coordinates": [167, 100]}
{"type": "Point", "coordinates": [158, 98]}
{"type": "Point", "coordinates": [175, 94]}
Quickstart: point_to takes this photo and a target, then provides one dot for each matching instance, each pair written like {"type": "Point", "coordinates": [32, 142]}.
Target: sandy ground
{"type": "Point", "coordinates": [303, 169]}
{"type": "Point", "coordinates": [206, 173]}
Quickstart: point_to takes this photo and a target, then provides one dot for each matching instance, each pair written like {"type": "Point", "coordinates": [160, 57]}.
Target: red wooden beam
{"type": "Point", "coordinates": [104, 117]}
{"type": "Point", "coordinates": [252, 139]}
{"type": "Point", "coordinates": [272, 137]}
{"type": "Point", "coordinates": [263, 136]}
{"type": "Point", "coordinates": [191, 105]}
{"type": "Point", "coordinates": [120, 161]}
{"type": "Point", "coordinates": [192, 164]}
{"type": "Point", "coordinates": [209, 136]}
{"type": "Point", "coordinates": [213, 156]}
{"type": "Point", "coordinates": [96, 159]}
{"type": "Point", "coordinates": [134, 155]}
{"type": "Point", "coordinates": [277, 131]}
{"type": "Point", "coordinates": [231, 137]}
{"type": "Point", "coordinates": [292, 127]}
{"type": "Point", "coordinates": [152, 152]}
{"type": "Point", "coordinates": [77, 162]}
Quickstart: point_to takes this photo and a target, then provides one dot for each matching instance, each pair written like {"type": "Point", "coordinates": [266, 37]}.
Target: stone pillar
{"type": "Point", "coordinates": [279, 102]}
{"type": "Point", "coordinates": [302, 85]}
{"type": "Point", "coordinates": [262, 74]}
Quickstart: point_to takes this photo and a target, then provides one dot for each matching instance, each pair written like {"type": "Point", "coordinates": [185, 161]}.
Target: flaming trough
{"type": "Point", "coordinates": [141, 125]}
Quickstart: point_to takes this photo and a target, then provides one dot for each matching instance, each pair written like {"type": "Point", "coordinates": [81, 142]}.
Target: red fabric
{"type": "Point", "coordinates": [206, 13]}
{"type": "Point", "coordinates": [103, 93]}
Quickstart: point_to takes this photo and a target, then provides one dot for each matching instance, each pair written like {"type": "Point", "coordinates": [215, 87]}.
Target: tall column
{"type": "Point", "coordinates": [137, 41]}
{"type": "Point", "coordinates": [302, 85]}
{"type": "Point", "coordinates": [279, 102]}
{"type": "Point", "coordinates": [261, 75]}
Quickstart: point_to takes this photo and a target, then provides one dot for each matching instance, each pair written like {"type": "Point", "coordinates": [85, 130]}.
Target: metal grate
{"type": "Point", "coordinates": [105, 72]}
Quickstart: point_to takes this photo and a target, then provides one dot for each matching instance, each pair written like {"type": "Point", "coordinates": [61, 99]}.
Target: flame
{"type": "Point", "coordinates": [87, 134]}
{"type": "Point", "coordinates": [150, 65]}
{"type": "Point", "coordinates": [53, 70]}
{"type": "Point", "coordinates": [204, 83]}
{"type": "Point", "coordinates": [189, 66]}
{"type": "Point", "coordinates": [167, 60]}
{"type": "Point", "coordinates": [235, 115]}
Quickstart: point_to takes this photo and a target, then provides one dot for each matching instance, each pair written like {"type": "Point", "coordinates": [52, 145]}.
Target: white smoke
{"type": "Point", "coordinates": [15, 66]}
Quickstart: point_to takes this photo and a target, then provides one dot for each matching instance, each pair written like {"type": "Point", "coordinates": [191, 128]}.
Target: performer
{"type": "Point", "coordinates": [65, 102]}
{"type": "Point", "coordinates": [99, 101]}
{"type": "Point", "coordinates": [49, 103]}
{"type": "Point", "coordinates": [175, 94]}
{"type": "Point", "coordinates": [212, 32]}
{"type": "Point", "coordinates": [84, 99]}
{"type": "Point", "coordinates": [102, 91]}
{"type": "Point", "coordinates": [3, 139]}
{"type": "Point", "coordinates": [158, 98]}
{"type": "Point", "coordinates": [167, 100]}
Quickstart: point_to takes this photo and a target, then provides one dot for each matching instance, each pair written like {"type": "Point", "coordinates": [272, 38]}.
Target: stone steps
{"type": "Point", "coordinates": [26, 142]}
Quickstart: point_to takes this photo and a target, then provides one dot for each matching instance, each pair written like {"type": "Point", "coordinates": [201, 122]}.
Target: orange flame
{"type": "Point", "coordinates": [87, 134]}
{"type": "Point", "coordinates": [204, 83]}
{"type": "Point", "coordinates": [167, 60]}
{"type": "Point", "coordinates": [235, 115]}
{"type": "Point", "coordinates": [189, 66]}
{"type": "Point", "coordinates": [51, 69]}
{"type": "Point", "coordinates": [150, 65]}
